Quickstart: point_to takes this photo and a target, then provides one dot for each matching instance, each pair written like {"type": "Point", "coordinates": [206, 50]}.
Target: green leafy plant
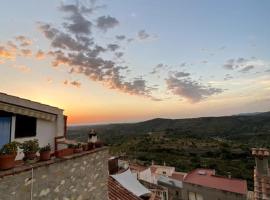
{"type": "Point", "coordinates": [78, 146]}
{"type": "Point", "coordinates": [45, 148]}
{"type": "Point", "coordinates": [30, 146]}
{"type": "Point", "coordinates": [71, 146]}
{"type": "Point", "coordinates": [9, 148]}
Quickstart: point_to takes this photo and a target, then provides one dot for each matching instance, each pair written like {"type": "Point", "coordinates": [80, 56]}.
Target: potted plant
{"type": "Point", "coordinates": [91, 146]}
{"type": "Point", "coordinates": [85, 146]}
{"type": "Point", "coordinates": [45, 153]}
{"type": "Point", "coordinates": [98, 144]}
{"type": "Point", "coordinates": [78, 148]}
{"type": "Point", "coordinates": [7, 155]}
{"type": "Point", "coordinates": [30, 148]}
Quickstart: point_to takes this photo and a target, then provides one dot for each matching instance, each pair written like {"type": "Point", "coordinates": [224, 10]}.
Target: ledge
{"type": "Point", "coordinates": [22, 167]}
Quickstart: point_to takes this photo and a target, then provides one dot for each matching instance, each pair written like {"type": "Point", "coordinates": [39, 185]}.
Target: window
{"type": "Point", "coordinates": [25, 126]}
{"type": "Point", "coordinates": [194, 196]}
{"type": "Point", "coordinates": [164, 172]}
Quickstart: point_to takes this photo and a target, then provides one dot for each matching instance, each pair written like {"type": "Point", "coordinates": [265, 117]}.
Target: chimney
{"type": "Point", "coordinates": [261, 158]}
{"type": "Point", "coordinates": [113, 165]}
{"type": "Point", "coordinates": [229, 175]}
{"type": "Point", "coordinates": [153, 162]}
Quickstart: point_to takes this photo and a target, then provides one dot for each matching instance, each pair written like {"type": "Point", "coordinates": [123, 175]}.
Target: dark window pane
{"type": "Point", "coordinates": [25, 126]}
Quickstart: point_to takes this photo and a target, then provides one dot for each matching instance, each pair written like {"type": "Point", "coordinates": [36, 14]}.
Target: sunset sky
{"type": "Point", "coordinates": [106, 61]}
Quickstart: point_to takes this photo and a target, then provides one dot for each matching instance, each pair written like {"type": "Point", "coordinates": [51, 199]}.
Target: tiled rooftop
{"type": "Point", "coordinates": [206, 178]}
{"type": "Point", "coordinates": [118, 192]}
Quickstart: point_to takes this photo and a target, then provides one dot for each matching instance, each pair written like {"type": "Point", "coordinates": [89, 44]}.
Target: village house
{"type": "Point", "coordinates": [199, 184]}
{"type": "Point", "coordinates": [204, 184]}
{"type": "Point", "coordinates": [70, 172]}
{"type": "Point", "coordinates": [22, 119]}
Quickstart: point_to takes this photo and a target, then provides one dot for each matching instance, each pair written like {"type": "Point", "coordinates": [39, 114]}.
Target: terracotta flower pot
{"type": "Point", "coordinates": [45, 155]}
{"type": "Point", "coordinates": [63, 152]}
{"type": "Point", "coordinates": [90, 146]}
{"type": "Point", "coordinates": [7, 161]}
{"type": "Point", "coordinates": [30, 156]}
{"type": "Point", "coordinates": [78, 150]}
{"type": "Point", "coordinates": [85, 147]}
{"type": "Point", "coordinates": [98, 144]}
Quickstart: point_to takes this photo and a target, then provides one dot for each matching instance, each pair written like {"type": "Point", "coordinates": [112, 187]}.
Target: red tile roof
{"type": "Point", "coordinates": [118, 192]}
{"type": "Point", "coordinates": [207, 178]}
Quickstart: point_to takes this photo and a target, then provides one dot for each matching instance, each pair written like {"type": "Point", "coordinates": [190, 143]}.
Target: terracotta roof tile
{"type": "Point", "coordinates": [206, 177]}
{"type": "Point", "coordinates": [118, 192]}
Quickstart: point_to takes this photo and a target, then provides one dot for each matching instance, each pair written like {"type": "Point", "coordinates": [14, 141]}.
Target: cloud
{"type": "Point", "coordinates": [228, 77]}
{"type": "Point", "coordinates": [113, 47]}
{"type": "Point", "coordinates": [83, 56]}
{"type": "Point", "coordinates": [76, 84]}
{"type": "Point", "coordinates": [106, 22]}
{"type": "Point", "coordinates": [247, 69]}
{"type": "Point", "coordinates": [23, 40]}
{"type": "Point", "coordinates": [143, 35]}
{"type": "Point", "coordinates": [25, 52]}
{"type": "Point", "coordinates": [77, 24]}
{"type": "Point", "coordinates": [157, 68]}
{"type": "Point", "coordinates": [120, 37]}
{"type": "Point", "coordinates": [243, 65]}
{"type": "Point", "coordinates": [181, 74]}
{"type": "Point", "coordinates": [40, 55]}
{"type": "Point", "coordinates": [190, 89]}
{"type": "Point", "coordinates": [229, 64]}
{"type": "Point", "coordinates": [183, 64]}
{"type": "Point", "coordinates": [222, 48]}
{"type": "Point", "coordinates": [6, 53]}
{"type": "Point", "coordinates": [22, 68]}
{"type": "Point", "coordinates": [119, 54]}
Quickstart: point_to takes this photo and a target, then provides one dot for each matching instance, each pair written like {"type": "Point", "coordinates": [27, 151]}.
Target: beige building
{"type": "Point", "coordinates": [22, 119]}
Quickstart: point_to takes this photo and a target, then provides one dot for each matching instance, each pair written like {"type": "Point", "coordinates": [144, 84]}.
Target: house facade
{"type": "Point", "coordinates": [204, 184]}
{"type": "Point", "coordinates": [22, 119]}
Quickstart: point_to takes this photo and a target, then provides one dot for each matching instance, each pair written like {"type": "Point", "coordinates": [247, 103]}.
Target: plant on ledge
{"type": "Point", "coordinates": [45, 153]}
{"type": "Point", "coordinates": [78, 148]}
{"type": "Point", "coordinates": [30, 148]}
{"type": "Point", "coordinates": [7, 155]}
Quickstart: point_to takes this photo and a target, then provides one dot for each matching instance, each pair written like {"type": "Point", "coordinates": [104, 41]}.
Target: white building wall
{"type": "Point", "coordinates": [146, 175]}
{"type": "Point", "coordinates": [46, 132]}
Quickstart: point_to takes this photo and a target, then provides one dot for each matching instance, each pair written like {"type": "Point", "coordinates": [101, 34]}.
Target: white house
{"type": "Point", "coordinates": [22, 119]}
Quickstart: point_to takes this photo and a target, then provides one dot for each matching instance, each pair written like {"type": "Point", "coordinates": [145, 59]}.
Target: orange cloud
{"type": "Point", "coordinates": [26, 52]}
{"type": "Point", "coordinates": [6, 54]}
{"type": "Point", "coordinates": [73, 83]}
{"type": "Point", "coordinates": [40, 55]}
{"type": "Point", "coordinates": [22, 68]}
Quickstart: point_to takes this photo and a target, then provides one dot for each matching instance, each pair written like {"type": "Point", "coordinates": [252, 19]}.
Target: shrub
{"type": "Point", "coordinates": [30, 146]}
{"type": "Point", "coordinates": [45, 148]}
{"type": "Point", "coordinates": [9, 148]}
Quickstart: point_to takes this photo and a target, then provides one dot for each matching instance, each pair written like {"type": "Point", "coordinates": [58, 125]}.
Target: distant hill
{"type": "Point", "coordinates": [228, 127]}
{"type": "Point", "coordinates": [221, 143]}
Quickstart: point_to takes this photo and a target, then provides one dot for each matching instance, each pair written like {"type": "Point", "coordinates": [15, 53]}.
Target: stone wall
{"type": "Point", "coordinates": [77, 178]}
